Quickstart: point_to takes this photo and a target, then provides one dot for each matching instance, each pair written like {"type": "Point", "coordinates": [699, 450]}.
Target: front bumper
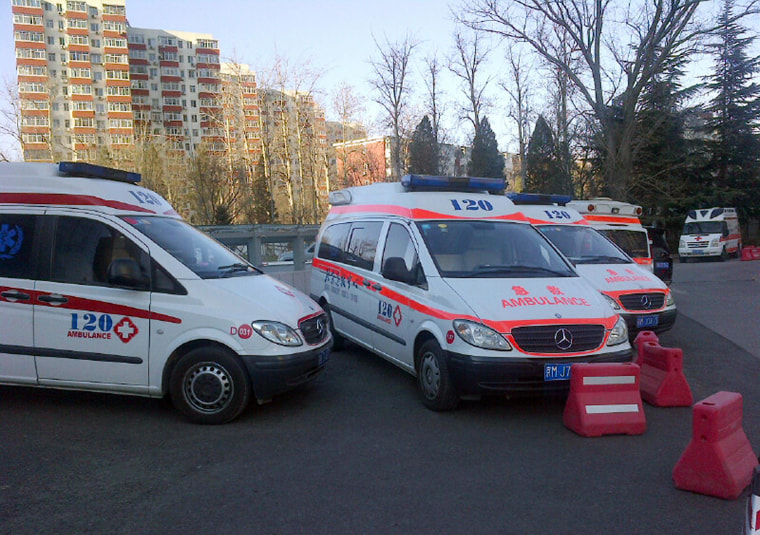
{"type": "Point", "coordinates": [488, 376]}
{"type": "Point", "coordinates": [274, 375]}
{"type": "Point", "coordinates": [701, 252]}
{"type": "Point", "coordinates": [665, 321]}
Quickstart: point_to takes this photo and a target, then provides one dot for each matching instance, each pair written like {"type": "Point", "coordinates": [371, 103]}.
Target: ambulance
{"type": "Point", "coordinates": [445, 278]}
{"type": "Point", "coordinates": [619, 221]}
{"type": "Point", "coordinates": [639, 296]}
{"type": "Point", "coordinates": [710, 232]}
{"type": "Point", "coordinates": [103, 287]}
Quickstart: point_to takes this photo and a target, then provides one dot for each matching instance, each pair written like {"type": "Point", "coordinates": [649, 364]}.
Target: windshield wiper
{"type": "Point", "coordinates": [498, 268]}
{"type": "Point", "coordinates": [233, 268]}
{"type": "Point", "coordinates": [601, 259]}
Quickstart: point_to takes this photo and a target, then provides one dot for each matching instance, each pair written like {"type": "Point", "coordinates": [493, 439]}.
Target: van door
{"type": "Point", "coordinates": [18, 266]}
{"type": "Point", "coordinates": [88, 330]}
{"type": "Point", "coordinates": [394, 316]}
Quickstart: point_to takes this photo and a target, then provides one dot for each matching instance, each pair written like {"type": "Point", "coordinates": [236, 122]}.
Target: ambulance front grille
{"type": "Point", "coordinates": [314, 329]}
{"type": "Point", "coordinates": [643, 301]}
{"type": "Point", "coordinates": [559, 338]}
{"type": "Point", "coordinates": [698, 244]}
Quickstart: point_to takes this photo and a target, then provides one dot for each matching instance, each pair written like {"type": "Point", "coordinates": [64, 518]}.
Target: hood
{"type": "Point", "coordinates": [261, 297]}
{"type": "Point", "coordinates": [517, 300]}
{"type": "Point", "coordinates": [611, 278]}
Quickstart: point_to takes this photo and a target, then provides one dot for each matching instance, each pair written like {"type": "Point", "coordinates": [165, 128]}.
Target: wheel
{"type": "Point", "coordinates": [339, 343]}
{"type": "Point", "coordinates": [209, 386]}
{"type": "Point", "coordinates": [433, 378]}
{"type": "Point", "coordinates": [683, 259]}
{"type": "Point", "coordinates": [739, 250]}
{"type": "Point", "coordinates": [723, 254]}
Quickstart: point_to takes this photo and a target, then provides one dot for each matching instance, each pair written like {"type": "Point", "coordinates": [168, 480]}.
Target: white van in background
{"type": "Point", "coordinates": [103, 287]}
{"type": "Point", "coordinates": [619, 221]}
{"type": "Point", "coordinates": [710, 232]}
{"type": "Point", "coordinates": [445, 278]}
{"type": "Point", "coordinates": [640, 297]}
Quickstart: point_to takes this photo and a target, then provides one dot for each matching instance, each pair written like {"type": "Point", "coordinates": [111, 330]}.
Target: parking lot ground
{"type": "Point", "coordinates": [358, 453]}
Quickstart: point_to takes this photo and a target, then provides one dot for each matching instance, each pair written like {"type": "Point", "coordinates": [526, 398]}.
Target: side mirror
{"type": "Point", "coordinates": [126, 273]}
{"type": "Point", "coordinates": [394, 269]}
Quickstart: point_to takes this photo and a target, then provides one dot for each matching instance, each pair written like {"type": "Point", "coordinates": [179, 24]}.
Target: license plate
{"type": "Point", "coordinates": [556, 372]}
{"type": "Point", "coordinates": [661, 265]}
{"type": "Point", "coordinates": [647, 321]}
{"type": "Point", "coordinates": [323, 357]}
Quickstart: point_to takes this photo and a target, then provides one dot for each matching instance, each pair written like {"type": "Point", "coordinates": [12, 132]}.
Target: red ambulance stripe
{"type": "Point", "coordinates": [500, 326]}
{"type": "Point", "coordinates": [416, 213]}
{"type": "Point", "coordinates": [80, 303]}
{"type": "Point", "coordinates": [63, 199]}
{"type": "Point", "coordinates": [612, 219]}
{"type": "Point", "coordinates": [642, 261]}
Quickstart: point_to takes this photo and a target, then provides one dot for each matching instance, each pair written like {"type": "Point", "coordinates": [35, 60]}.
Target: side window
{"type": "Point", "coordinates": [84, 249]}
{"type": "Point", "coordinates": [16, 238]}
{"type": "Point", "coordinates": [399, 244]}
{"type": "Point", "coordinates": [362, 244]}
{"type": "Point", "coordinates": [333, 240]}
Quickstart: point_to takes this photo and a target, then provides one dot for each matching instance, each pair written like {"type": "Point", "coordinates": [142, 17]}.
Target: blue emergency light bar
{"type": "Point", "coordinates": [453, 183]}
{"type": "Point", "coordinates": [539, 198]}
{"type": "Point", "coordinates": [97, 171]}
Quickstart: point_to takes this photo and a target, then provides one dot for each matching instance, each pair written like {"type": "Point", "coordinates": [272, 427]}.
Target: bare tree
{"type": "Point", "coordinates": [390, 81]}
{"type": "Point", "coordinates": [10, 123]}
{"type": "Point", "coordinates": [620, 45]}
{"type": "Point", "coordinates": [431, 77]}
{"type": "Point", "coordinates": [347, 105]}
{"type": "Point", "coordinates": [518, 89]}
{"type": "Point", "coordinates": [466, 64]}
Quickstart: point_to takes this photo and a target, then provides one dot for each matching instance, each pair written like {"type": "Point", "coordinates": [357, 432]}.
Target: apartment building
{"type": "Point", "coordinates": [73, 78]}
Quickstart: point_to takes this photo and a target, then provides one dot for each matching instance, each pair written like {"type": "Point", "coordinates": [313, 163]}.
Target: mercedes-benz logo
{"type": "Point", "coordinates": [321, 327]}
{"type": "Point", "coordinates": [645, 302]}
{"type": "Point", "coordinates": [563, 339]}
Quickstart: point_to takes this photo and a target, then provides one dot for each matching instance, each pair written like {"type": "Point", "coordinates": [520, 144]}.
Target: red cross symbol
{"type": "Point", "coordinates": [126, 330]}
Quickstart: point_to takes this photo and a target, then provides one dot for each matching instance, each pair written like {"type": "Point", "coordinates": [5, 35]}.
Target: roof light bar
{"type": "Point", "coordinates": [453, 183]}
{"type": "Point", "coordinates": [339, 197]}
{"type": "Point", "coordinates": [538, 198]}
{"type": "Point", "coordinates": [97, 171]}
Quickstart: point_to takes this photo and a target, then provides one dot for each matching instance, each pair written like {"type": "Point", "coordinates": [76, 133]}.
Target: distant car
{"type": "Point", "coordinates": [287, 256]}
{"type": "Point", "coordinates": [662, 259]}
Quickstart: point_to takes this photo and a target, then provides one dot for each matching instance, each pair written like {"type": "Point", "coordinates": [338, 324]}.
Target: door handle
{"type": "Point", "coordinates": [14, 294]}
{"type": "Point", "coordinates": [53, 299]}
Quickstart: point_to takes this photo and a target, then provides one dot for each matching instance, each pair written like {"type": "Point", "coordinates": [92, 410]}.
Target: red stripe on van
{"type": "Point", "coordinates": [62, 199]}
{"type": "Point", "coordinates": [612, 219]}
{"type": "Point", "coordinates": [417, 213]}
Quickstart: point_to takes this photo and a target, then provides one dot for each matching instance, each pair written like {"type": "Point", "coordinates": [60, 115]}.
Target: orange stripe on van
{"type": "Point", "coordinates": [417, 213]}
{"type": "Point", "coordinates": [612, 219]}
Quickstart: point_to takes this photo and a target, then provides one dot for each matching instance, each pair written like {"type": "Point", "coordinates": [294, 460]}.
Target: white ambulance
{"type": "Point", "coordinates": [710, 232]}
{"type": "Point", "coordinates": [104, 287]}
{"type": "Point", "coordinates": [640, 297]}
{"type": "Point", "coordinates": [445, 278]}
{"type": "Point", "coordinates": [619, 221]}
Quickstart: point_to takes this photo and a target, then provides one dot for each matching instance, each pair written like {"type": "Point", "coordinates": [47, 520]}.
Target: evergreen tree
{"type": "Point", "coordinates": [735, 108]}
{"type": "Point", "coordinates": [543, 167]}
{"type": "Point", "coordinates": [262, 209]}
{"type": "Point", "coordinates": [423, 149]}
{"type": "Point", "coordinates": [485, 158]}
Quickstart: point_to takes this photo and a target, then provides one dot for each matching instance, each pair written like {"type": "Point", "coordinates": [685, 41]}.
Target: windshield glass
{"type": "Point", "coordinates": [495, 249]}
{"type": "Point", "coordinates": [584, 245]}
{"type": "Point", "coordinates": [703, 227]}
{"type": "Point", "coordinates": [207, 258]}
{"type": "Point", "coordinates": [634, 242]}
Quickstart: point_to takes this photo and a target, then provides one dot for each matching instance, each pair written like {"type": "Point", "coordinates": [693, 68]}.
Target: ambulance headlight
{"type": "Point", "coordinates": [682, 244]}
{"type": "Point", "coordinates": [669, 301]}
{"type": "Point", "coordinates": [714, 242]}
{"type": "Point", "coordinates": [479, 335]}
{"type": "Point", "coordinates": [278, 333]}
{"type": "Point", "coordinates": [618, 334]}
{"type": "Point", "coordinates": [610, 301]}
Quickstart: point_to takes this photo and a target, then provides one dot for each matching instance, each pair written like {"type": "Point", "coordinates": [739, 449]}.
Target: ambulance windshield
{"type": "Point", "coordinates": [491, 249]}
{"type": "Point", "coordinates": [704, 227]}
{"type": "Point", "coordinates": [206, 257]}
{"type": "Point", "coordinates": [584, 245]}
{"type": "Point", "coordinates": [634, 242]}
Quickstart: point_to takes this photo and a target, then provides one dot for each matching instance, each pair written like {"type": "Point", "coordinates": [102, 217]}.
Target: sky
{"type": "Point", "coordinates": [334, 36]}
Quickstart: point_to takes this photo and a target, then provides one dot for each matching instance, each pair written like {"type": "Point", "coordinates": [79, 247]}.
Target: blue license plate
{"type": "Point", "coordinates": [647, 321]}
{"type": "Point", "coordinates": [556, 372]}
{"type": "Point", "coordinates": [323, 357]}
{"type": "Point", "coordinates": [661, 265]}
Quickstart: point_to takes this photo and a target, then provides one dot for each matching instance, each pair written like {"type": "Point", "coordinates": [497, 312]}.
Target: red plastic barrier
{"type": "Point", "coordinates": [756, 253]}
{"type": "Point", "coordinates": [604, 399]}
{"type": "Point", "coordinates": [747, 253]}
{"type": "Point", "coordinates": [663, 383]}
{"type": "Point", "coordinates": [719, 459]}
{"type": "Point", "coordinates": [638, 342]}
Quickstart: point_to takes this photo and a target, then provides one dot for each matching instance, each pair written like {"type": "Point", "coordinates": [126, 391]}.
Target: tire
{"type": "Point", "coordinates": [209, 385]}
{"type": "Point", "coordinates": [683, 259]}
{"type": "Point", "coordinates": [339, 343]}
{"type": "Point", "coordinates": [433, 378]}
{"type": "Point", "coordinates": [723, 254]}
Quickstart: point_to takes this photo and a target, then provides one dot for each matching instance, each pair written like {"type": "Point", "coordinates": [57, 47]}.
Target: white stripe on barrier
{"type": "Point", "coordinates": [611, 380]}
{"type": "Point", "coordinates": [609, 409]}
